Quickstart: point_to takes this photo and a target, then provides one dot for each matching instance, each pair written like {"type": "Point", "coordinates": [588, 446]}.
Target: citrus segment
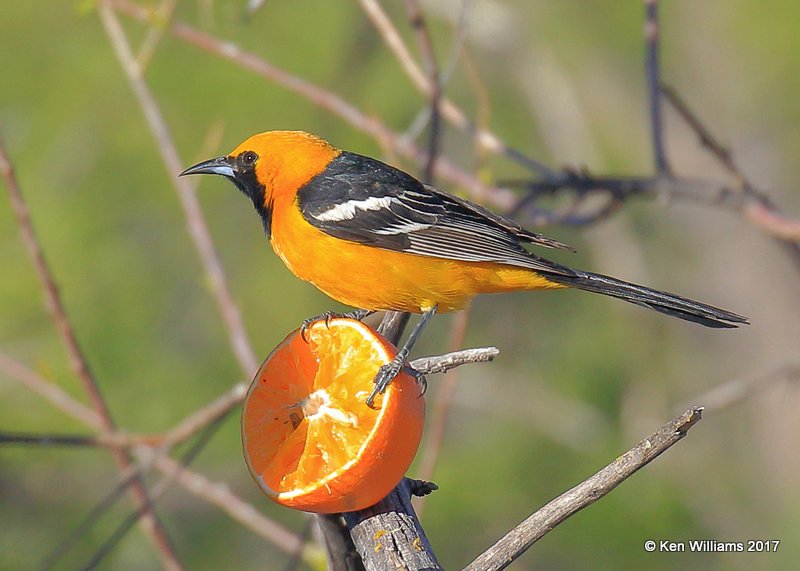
{"type": "Point", "coordinates": [310, 440]}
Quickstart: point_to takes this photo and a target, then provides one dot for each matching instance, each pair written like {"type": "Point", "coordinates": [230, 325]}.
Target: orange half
{"type": "Point", "coordinates": [310, 440]}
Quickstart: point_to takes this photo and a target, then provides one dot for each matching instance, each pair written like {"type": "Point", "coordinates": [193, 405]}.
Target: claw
{"type": "Point", "coordinates": [311, 321]}
{"type": "Point", "coordinates": [386, 375]}
{"type": "Point", "coordinates": [420, 378]}
{"type": "Point", "coordinates": [357, 314]}
{"type": "Point", "coordinates": [388, 372]}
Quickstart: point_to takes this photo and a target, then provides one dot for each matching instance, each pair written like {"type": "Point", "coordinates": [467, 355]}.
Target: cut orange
{"type": "Point", "coordinates": [310, 440]}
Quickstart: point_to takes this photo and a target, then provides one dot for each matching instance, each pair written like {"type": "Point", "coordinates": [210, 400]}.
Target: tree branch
{"type": "Point", "coordinates": [77, 359]}
{"type": "Point", "coordinates": [653, 75]}
{"type": "Point", "coordinates": [518, 540]}
{"type": "Point", "coordinates": [198, 230]}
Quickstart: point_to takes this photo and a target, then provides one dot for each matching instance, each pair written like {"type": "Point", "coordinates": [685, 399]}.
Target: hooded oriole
{"type": "Point", "coordinates": [373, 237]}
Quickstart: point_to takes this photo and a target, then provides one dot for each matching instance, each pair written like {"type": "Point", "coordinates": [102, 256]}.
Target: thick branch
{"type": "Point", "coordinates": [518, 540]}
{"type": "Point", "coordinates": [387, 535]}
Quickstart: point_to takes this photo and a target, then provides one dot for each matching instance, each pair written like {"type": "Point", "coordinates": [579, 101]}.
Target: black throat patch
{"type": "Point", "coordinates": [247, 182]}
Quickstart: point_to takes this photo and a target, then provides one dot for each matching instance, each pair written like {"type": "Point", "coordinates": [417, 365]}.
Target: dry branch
{"type": "Point", "coordinates": [196, 224]}
{"type": "Point", "coordinates": [443, 363]}
{"type": "Point", "coordinates": [449, 110]}
{"type": "Point", "coordinates": [57, 396]}
{"type": "Point", "coordinates": [388, 535]}
{"type": "Point", "coordinates": [322, 98]}
{"type": "Point", "coordinates": [736, 390]}
{"type": "Point", "coordinates": [150, 524]}
{"type": "Point", "coordinates": [518, 540]}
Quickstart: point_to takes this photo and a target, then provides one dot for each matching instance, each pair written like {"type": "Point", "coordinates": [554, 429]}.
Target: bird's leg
{"type": "Point", "coordinates": [389, 371]}
{"type": "Point", "coordinates": [357, 314]}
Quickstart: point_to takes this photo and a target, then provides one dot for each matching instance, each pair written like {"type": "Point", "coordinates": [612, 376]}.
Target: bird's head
{"type": "Point", "coordinates": [270, 166]}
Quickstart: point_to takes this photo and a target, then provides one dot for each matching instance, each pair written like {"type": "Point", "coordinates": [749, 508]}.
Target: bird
{"type": "Point", "coordinates": [373, 237]}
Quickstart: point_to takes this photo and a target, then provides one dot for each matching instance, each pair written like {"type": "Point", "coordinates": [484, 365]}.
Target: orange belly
{"type": "Point", "coordinates": [376, 279]}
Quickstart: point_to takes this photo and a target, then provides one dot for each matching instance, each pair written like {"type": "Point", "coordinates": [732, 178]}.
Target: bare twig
{"type": "Point", "coordinates": [78, 362]}
{"type": "Point", "coordinates": [435, 92]}
{"type": "Point", "coordinates": [162, 15]}
{"type": "Point", "coordinates": [156, 493]}
{"type": "Point", "coordinates": [736, 390]}
{"type": "Point", "coordinates": [518, 540]}
{"type": "Point", "coordinates": [757, 207]}
{"type": "Point", "coordinates": [707, 139]}
{"type": "Point", "coordinates": [323, 98]}
{"type": "Point", "coordinates": [197, 227]}
{"type": "Point", "coordinates": [440, 407]}
{"type": "Point", "coordinates": [220, 495]}
{"type": "Point", "coordinates": [55, 306]}
{"type": "Point", "coordinates": [50, 392]}
{"type": "Point", "coordinates": [653, 75]}
{"type": "Point", "coordinates": [443, 363]}
{"type": "Point", "coordinates": [206, 415]}
{"type": "Point", "coordinates": [48, 439]}
{"type": "Point", "coordinates": [449, 110]}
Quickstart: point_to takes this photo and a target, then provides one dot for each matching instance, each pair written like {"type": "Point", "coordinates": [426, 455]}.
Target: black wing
{"type": "Point", "coordinates": [364, 200]}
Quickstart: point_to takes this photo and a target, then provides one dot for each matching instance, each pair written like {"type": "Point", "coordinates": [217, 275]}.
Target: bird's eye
{"type": "Point", "coordinates": [249, 158]}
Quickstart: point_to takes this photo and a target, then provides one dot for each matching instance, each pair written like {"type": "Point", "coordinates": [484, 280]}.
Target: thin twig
{"type": "Point", "coordinates": [440, 408]}
{"type": "Point", "coordinates": [653, 76]}
{"type": "Point", "coordinates": [78, 362]}
{"type": "Point", "coordinates": [220, 495]}
{"type": "Point", "coordinates": [205, 415]}
{"type": "Point", "coordinates": [198, 230]}
{"type": "Point", "coordinates": [758, 208]}
{"type": "Point", "coordinates": [450, 110]}
{"type": "Point", "coordinates": [161, 17]}
{"type": "Point", "coordinates": [428, 54]}
{"type": "Point", "coordinates": [157, 492]}
{"type": "Point", "coordinates": [443, 363]}
{"type": "Point", "coordinates": [518, 540]}
{"type": "Point", "coordinates": [707, 139]}
{"type": "Point", "coordinates": [52, 393]}
{"type": "Point", "coordinates": [736, 390]}
{"type": "Point", "coordinates": [27, 439]}
{"type": "Point", "coordinates": [322, 98]}
{"type": "Point", "coordinates": [55, 306]}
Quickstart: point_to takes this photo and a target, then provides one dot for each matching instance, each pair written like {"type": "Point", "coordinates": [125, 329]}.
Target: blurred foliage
{"type": "Point", "coordinates": [580, 379]}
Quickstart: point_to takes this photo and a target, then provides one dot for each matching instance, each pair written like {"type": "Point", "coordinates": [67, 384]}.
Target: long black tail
{"type": "Point", "coordinates": [664, 302]}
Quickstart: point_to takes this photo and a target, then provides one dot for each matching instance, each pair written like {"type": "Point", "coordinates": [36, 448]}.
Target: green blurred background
{"type": "Point", "coordinates": [580, 378]}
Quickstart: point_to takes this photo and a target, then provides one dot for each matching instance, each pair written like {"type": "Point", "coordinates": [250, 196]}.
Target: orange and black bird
{"type": "Point", "coordinates": [373, 237]}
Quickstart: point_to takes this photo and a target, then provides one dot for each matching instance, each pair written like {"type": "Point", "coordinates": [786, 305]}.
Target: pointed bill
{"type": "Point", "coordinates": [220, 165]}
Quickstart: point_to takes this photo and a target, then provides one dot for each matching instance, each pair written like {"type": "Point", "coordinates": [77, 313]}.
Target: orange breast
{"type": "Point", "coordinates": [371, 278]}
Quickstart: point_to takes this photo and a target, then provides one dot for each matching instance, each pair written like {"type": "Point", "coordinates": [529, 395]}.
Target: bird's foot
{"type": "Point", "coordinates": [357, 314]}
{"type": "Point", "coordinates": [388, 372]}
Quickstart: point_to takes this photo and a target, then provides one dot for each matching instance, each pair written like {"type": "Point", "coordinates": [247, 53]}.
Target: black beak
{"type": "Point", "coordinates": [221, 166]}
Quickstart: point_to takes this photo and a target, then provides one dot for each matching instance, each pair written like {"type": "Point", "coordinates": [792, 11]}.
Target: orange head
{"type": "Point", "coordinates": [270, 166]}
